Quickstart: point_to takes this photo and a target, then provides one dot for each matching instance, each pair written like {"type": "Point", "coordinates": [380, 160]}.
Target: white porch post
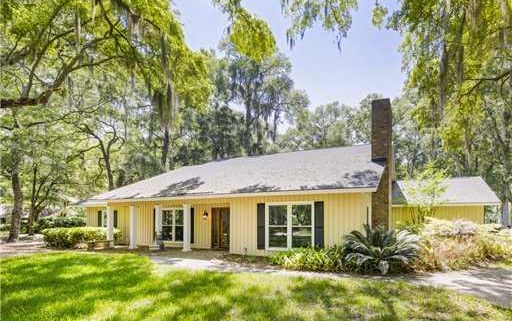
{"type": "Point", "coordinates": [110, 226]}
{"type": "Point", "coordinates": [158, 221]}
{"type": "Point", "coordinates": [133, 228]}
{"type": "Point", "coordinates": [186, 227]}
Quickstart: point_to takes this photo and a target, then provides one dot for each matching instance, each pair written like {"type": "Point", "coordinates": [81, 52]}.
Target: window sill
{"type": "Point", "coordinates": [276, 249]}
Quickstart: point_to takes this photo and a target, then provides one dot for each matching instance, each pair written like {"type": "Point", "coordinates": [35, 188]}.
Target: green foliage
{"type": "Point", "coordinates": [310, 259]}
{"type": "Point", "coordinates": [424, 192]}
{"type": "Point", "coordinates": [252, 37]}
{"type": "Point", "coordinates": [334, 16]}
{"type": "Point", "coordinates": [67, 237]}
{"type": "Point", "coordinates": [60, 221]}
{"type": "Point", "coordinates": [130, 287]}
{"type": "Point", "coordinates": [379, 250]}
{"type": "Point", "coordinates": [378, 14]}
{"type": "Point", "coordinates": [329, 125]}
{"type": "Point", "coordinates": [454, 245]}
{"type": "Point", "coordinates": [457, 57]}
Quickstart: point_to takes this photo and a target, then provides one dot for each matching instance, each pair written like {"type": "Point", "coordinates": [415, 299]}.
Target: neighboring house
{"type": "Point", "coordinates": [6, 214]}
{"type": "Point", "coordinates": [253, 205]}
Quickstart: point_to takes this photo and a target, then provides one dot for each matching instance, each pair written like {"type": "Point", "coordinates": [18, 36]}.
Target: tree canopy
{"type": "Point", "coordinates": [99, 94]}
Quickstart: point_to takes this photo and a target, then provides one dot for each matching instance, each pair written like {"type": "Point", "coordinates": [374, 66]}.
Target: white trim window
{"type": "Point", "coordinates": [103, 218]}
{"type": "Point", "coordinates": [172, 224]}
{"type": "Point", "coordinates": [289, 225]}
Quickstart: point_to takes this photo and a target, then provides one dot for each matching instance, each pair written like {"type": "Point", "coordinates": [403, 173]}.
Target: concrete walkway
{"type": "Point", "coordinates": [492, 284]}
{"type": "Point", "coordinates": [218, 265]}
{"type": "Point", "coordinates": [25, 246]}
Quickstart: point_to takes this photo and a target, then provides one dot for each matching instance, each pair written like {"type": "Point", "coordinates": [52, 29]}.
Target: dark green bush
{"type": "Point", "coordinates": [379, 250]}
{"type": "Point", "coordinates": [67, 237]}
{"type": "Point", "coordinates": [310, 259]}
{"type": "Point", "coordinates": [59, 221]}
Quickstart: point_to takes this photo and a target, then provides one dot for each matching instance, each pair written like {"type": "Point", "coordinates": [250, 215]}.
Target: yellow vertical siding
{"type": "Point", "coordinates": [343, 212]}
{"type": "Point", "coordinates": [471, 213]}
{"type": "Point", "coordinates": [145, 226]}
{"type": "Point", "coordinates": [92, 215]}
{"type": "Point", "coordinates": [122, 220]}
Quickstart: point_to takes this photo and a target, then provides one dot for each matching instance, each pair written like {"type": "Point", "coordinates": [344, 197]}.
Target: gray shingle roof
{"type": "Point", "coordinates": [461, 190]}
{"type": "Point", "coordinates": [320, 169]}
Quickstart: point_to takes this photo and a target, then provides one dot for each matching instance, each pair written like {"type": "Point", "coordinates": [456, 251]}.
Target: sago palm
{"type": "Point", "coordinates": [378, 249]}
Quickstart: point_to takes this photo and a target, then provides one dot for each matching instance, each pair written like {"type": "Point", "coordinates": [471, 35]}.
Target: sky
{"type": "Point", "coordinates": [369, 60]}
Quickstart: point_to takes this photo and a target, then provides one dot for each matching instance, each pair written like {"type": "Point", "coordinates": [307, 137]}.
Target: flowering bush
{"type": "Point", "coordinates": [444, 228]}
{"type": "Point", "coordinates": [453, 245]}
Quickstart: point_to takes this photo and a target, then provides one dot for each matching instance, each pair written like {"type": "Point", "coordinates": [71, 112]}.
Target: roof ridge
{"type": "Point", "coordinates": [287, 152]}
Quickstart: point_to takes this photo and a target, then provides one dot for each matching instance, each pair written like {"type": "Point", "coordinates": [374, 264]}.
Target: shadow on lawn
{"type": "Point", "coordinates": [121, 287]}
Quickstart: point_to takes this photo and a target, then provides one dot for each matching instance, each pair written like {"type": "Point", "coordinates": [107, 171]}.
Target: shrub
{"type": "Point", "coordinates": [59, 221]}
{"type": "Point", "coordinates": [457, 228]}
{"type": "Point", "coordinates": [67, 237]}
{"type": "Point", "coordinates": [454, 245]}
{"type": "Point", "coordinates": [379, 250]}
{"type": "Point", "coordinates": [310, 259]}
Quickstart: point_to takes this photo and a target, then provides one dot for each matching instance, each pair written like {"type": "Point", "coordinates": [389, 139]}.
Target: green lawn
{"type": "Point", "coordinates": [84, 286]}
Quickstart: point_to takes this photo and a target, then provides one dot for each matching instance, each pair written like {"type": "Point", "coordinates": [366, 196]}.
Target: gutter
{"type": "Point", "coordinates": [95, 203]}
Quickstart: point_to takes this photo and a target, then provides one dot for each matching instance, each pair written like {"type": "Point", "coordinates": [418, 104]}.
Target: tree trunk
{"type": "Point", "coordinates": [108, 168]}
{"type": "Point", "coordinates": [17, 211]}
{"type": "Point", "coordinates": [33, 217]}
{"type": "Point", "coordinates": [247, 137]}
{"type": "Point", "coordinates": [165, 149]}
{"type": "Point", "coordinates": [505, 213]}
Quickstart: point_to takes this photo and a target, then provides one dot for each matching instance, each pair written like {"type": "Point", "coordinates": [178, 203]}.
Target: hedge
{"type": "Point", "coordinates": [67, 237]}
{"type": "Point", "coordinates": [59, 221]}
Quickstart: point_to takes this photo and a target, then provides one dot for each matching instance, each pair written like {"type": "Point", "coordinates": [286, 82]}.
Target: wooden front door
{"type": "Point", "coordinates": [220, 228]}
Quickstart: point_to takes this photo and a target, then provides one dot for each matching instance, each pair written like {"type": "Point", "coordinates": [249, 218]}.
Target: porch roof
{"type": "Point", "coordinates": [312, 170]}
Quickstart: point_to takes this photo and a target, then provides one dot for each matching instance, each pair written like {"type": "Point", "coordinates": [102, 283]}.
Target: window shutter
{"type": "Point", "coordinates": [192, 225]}
{"type": "Point", "coordinates": [115, 219]}
{"type": "Point", "coordinates": [99, 218]}
{"type": "Point", "coordinates": [319, 224]}
{"type": "Point", "coordinates": [261, 226]}
{"type": "Point", "coordinates": [154, 224]}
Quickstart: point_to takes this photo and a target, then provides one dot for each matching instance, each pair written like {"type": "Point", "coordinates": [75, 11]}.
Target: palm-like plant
{"type": "Point", "coordinates": [378, 249]}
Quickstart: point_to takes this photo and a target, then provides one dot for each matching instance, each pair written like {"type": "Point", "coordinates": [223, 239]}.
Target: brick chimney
{"type": "Point", "coordinates": [382, 153]}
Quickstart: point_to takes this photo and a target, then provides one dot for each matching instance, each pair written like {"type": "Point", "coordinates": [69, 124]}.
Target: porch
{"type": "Point", "coordinates": [167, 225]}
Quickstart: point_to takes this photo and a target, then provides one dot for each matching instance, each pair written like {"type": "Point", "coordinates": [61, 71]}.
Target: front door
{"type": "Point", "coordinates": [220, 228]}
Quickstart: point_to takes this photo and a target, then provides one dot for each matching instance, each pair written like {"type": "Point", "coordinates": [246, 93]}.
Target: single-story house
{"type": "Point", "coordinates": [254, 205]}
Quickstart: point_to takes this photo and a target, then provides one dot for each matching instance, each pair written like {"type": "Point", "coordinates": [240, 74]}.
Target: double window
{"type": "Point", "coordinates": [172, 224]}
{"type": "Point", "coordinates": [289, 225]}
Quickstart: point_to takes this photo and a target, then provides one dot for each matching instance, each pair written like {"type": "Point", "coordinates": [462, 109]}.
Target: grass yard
{"type": "Point", "coordinates": [84, 286]}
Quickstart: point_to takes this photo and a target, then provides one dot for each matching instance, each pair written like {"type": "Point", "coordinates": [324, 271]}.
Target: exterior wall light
{"type": "Point", "coordinates": [205, 215]}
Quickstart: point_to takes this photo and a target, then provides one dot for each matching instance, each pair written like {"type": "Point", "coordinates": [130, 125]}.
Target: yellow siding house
{"type": "Point", "coordinates": [259, 204]}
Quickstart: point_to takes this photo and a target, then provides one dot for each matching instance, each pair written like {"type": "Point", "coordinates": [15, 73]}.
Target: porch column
{"type": "Point", "coordinates": [133, 228]}
{"type": "Point", "coordinates": [158, 222]}
{"type": "Point", "coordinates": [110, 226]}
{"type": "Point", "coordinates": [186, 227]}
